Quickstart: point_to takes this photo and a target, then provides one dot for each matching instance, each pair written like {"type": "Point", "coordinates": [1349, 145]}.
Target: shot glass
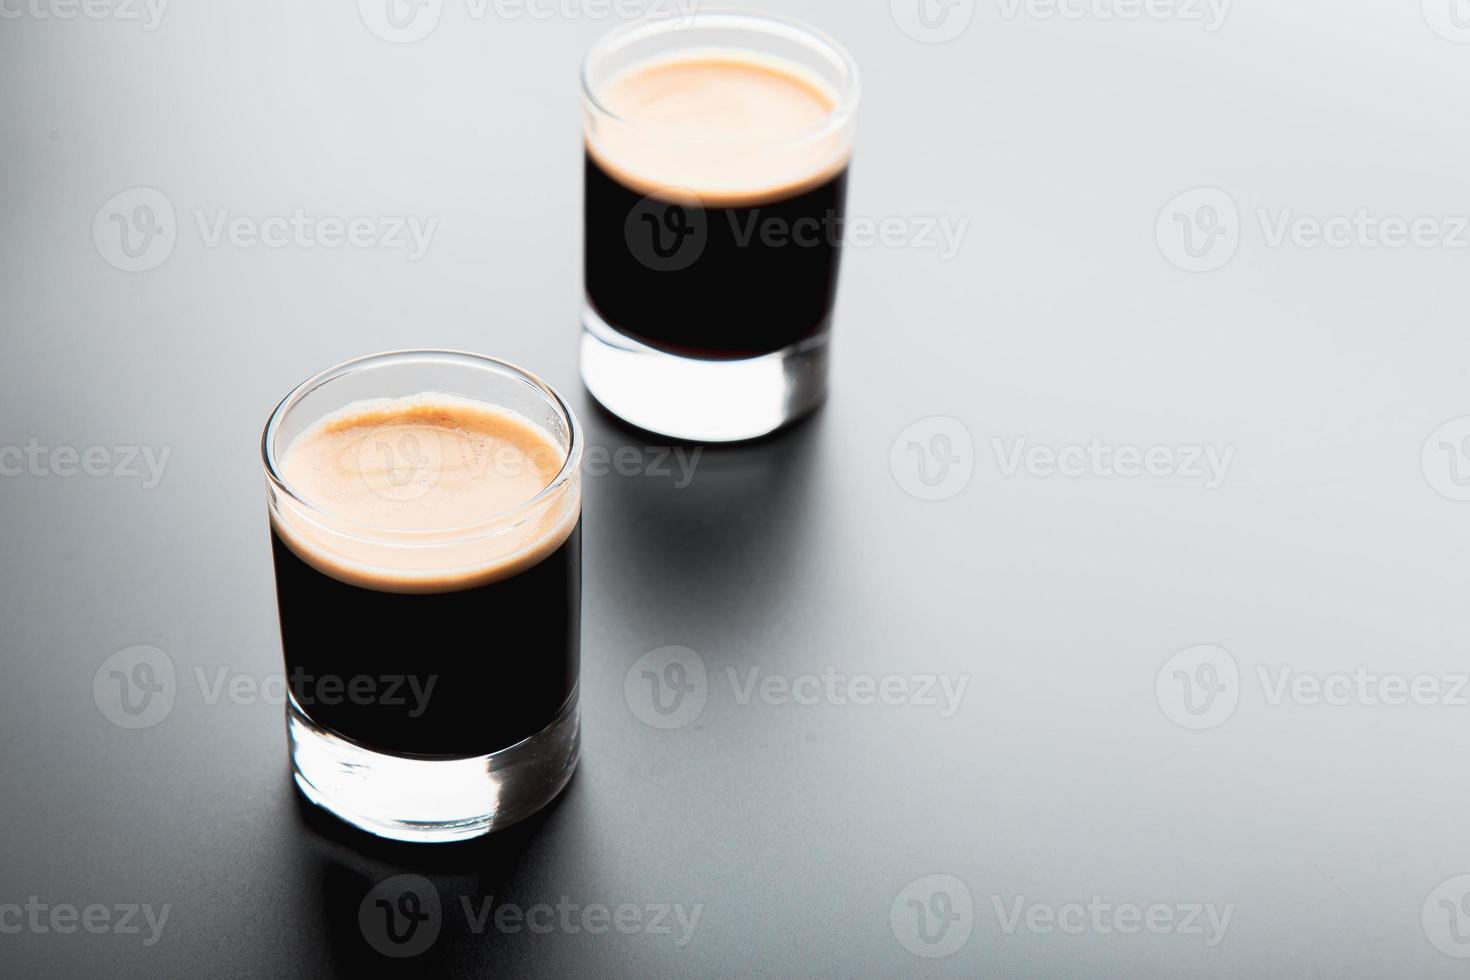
{"type": "Point", "coordinates": [429, 590]}
{"type": "Point", "coordinates": [717, 155]}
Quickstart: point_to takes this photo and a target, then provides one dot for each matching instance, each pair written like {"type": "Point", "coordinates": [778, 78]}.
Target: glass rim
{"type": "Point", "coordinates": [423, 537]}
{"type": "Point", "coordinates": [778, 25]}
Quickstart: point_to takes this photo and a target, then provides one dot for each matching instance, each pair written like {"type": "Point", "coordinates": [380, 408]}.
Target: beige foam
{"type": "Point", "coordinates": [401, 492]}
{"type": "Point", "coordinates": [734, 128]}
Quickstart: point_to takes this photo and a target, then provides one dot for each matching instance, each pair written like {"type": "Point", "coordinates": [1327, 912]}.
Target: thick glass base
{"type": "Point", "coordinates": [432, 800]}
{"type": "Point", "coordinates": [701, 400]}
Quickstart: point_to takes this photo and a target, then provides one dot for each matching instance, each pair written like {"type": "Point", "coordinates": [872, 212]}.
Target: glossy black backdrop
{"type": "Point", "coordinates": [1058, 319]}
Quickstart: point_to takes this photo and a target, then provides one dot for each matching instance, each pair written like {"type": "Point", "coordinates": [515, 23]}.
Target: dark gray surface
{"type": "Point", "coordinates": [796, 828]}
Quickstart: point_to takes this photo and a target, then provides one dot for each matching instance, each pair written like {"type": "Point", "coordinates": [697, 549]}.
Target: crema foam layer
{"type": "Point", "coordinates": [423, 494]}
{"type": "Point", "coordinates": [730, 127]}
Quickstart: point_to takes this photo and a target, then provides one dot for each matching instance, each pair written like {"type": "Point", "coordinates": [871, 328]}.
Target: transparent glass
{"type": "Point", "coordinates": [374, 783]}
{"type": "Point", "coordinates": [693, 327]}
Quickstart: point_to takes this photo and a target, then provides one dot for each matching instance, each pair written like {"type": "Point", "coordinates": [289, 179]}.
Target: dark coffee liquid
{"type": "Point", "coordinates": [719, 282]}
{"type": "Point", "coordinates": [502, 658]}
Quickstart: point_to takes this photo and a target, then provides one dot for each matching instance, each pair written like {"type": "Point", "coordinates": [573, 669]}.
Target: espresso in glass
{"type": "Point", "coordinates": [717, 157]}
{"type": "Point", "coordinates": [425, 523]}
{"type": "Point", "coordinates": [766, 273]}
